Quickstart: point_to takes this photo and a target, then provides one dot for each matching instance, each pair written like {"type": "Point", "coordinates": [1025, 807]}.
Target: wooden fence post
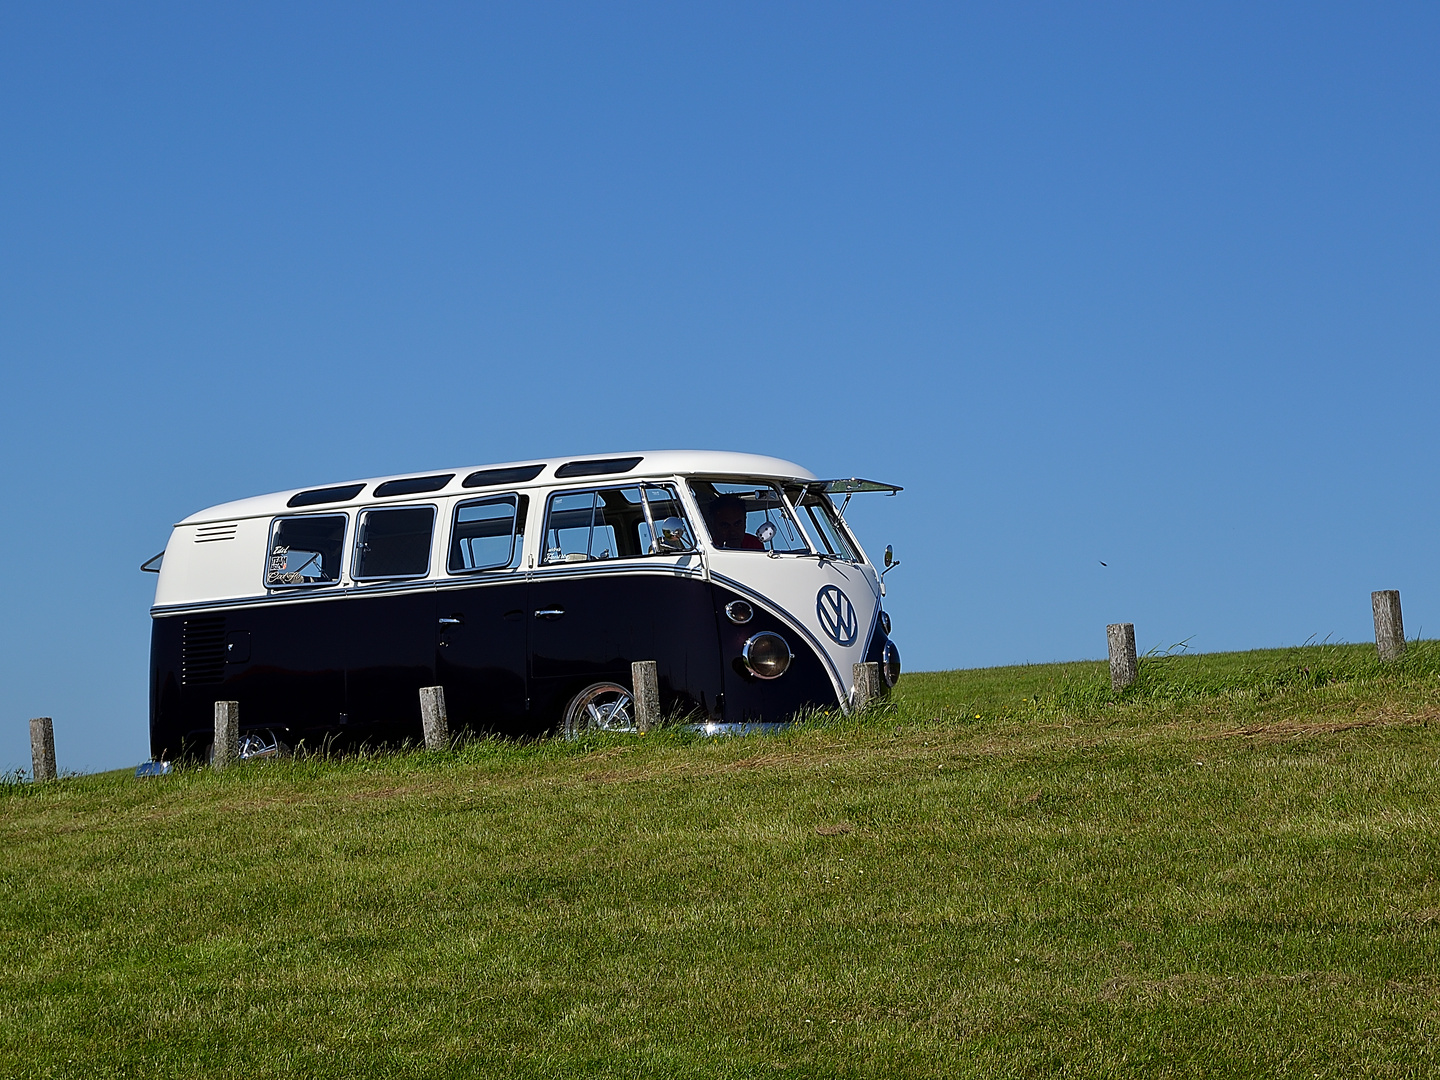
{"type": "Point", "coordinates": [645, 677]}
{"type": "Point", "coordinates": [434, 717]}
{"type": "Point", "coordinates": [42, 749]}
{"type": "Point", "coordinates": [1124, 667]}
{"type": "Point", "coordinates": [226, 749]}
{"type": "Point", "coordinates": [1389, 627]}
{"type": "Point", "coordinates": [867, 684]}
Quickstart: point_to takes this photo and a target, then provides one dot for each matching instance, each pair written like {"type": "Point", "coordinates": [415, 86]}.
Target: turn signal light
{"type": "Point", "coordinates": [738, 611]}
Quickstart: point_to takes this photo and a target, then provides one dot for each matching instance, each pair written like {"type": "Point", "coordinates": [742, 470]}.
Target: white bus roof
{"type": "Point", "coordinates": [651, 463]}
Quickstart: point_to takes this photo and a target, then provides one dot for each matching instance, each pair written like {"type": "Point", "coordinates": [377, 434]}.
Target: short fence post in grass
{"type": "Point", "coordinates": [1389, 628]}
{"type": "Point", "coordinates": [867, 684]}
{"type": "Point", "coordinates": [42, 748]}
{"type": "Point", "coordinates": [1124, 667]}
{"type": "Point", "coordinates": [645, 676]}
{"type": "Point", "coordinates": [434, 717]}
{"type": "Point", "coordinates": [226, 748]}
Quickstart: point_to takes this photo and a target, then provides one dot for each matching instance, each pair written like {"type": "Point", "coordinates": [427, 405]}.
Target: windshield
{"type": "Point", "coordinates": [748, 515]}
{"type": "Point", "coordinates": [823, 521]}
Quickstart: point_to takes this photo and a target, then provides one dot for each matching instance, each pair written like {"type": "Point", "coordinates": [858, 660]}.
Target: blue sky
{"type": "Point", "coordinates": [1153, 285]}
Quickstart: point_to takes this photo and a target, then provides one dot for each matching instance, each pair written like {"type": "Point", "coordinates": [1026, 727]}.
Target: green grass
{"type": "Point", "coordinates": [1229, 869]}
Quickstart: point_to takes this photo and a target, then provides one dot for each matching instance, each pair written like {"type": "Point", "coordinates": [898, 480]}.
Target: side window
{"type": "Point", "coordinates": [581, 527]}
{"type": "Point", "coordinates": [305, 550]}
{"type": "Point", "coordinates": [614, 523]}
{"type": "Point", "coordinates": [486, 533]}
{"type": "Point", "coordinates": [393, 543]}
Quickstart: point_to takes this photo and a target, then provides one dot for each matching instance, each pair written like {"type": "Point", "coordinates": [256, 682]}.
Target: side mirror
{"type": "Point", "coordinates": [890, 562]}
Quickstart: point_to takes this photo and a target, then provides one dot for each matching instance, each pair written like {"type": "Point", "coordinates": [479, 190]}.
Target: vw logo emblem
{"type": "Point", "coordinates": [837, 615]}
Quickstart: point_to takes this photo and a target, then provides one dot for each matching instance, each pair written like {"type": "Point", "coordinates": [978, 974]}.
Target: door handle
{"type": "Point", "coordinates": [452, 620]}
{"type": "Point", "coordinates": [550, 613]}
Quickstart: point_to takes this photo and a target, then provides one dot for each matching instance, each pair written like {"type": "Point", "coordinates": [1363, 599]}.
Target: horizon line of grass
{"type": "Point", "coordinates": [1055, 688]}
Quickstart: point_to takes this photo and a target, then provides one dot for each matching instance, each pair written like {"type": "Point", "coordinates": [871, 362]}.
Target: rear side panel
{"type": "Point", "coordinates": [284, 663]}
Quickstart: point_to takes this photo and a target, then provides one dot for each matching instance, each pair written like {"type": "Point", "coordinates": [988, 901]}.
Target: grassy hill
{"type": "Point", "coordinates": [1230, 869]}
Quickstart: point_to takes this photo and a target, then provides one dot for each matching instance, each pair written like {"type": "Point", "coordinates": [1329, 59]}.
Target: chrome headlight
{"type": "Point", "coordinates": [766, 655]}
{"type": "Point", "coordinates": [890, 664]}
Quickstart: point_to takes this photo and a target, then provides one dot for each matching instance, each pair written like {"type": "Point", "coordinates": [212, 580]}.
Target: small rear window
{"type": "Point", "coordinates": [597, 467]}
{"type": "Point", "coordinates": [305, 550]}
{"type": "Point", "coordinates": [520, 474]}
{"type": "Point", "coordinates": [413, 485]}
{"type": "Point", "coordinates": [316, 496]}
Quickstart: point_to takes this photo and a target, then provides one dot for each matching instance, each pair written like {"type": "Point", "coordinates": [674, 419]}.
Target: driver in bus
{"type": "Point", "coordinates": [726, 515]}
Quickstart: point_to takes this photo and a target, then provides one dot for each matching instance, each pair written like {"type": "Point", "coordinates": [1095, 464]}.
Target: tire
{"type": "Point", "coordinates": [602, 706]}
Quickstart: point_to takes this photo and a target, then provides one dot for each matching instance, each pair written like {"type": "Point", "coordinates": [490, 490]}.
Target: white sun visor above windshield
{"type": "Point", "coordinates": [852, 485]}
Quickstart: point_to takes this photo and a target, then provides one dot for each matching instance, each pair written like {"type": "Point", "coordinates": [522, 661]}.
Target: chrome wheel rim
{"type": "Point", "coordinates": [255, 745]}
{"type": "Point", "coordinates": [603, 707]}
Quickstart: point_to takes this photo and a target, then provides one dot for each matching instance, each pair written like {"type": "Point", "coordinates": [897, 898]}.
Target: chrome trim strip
{"type": "Point", "coordinates": [561, 571]}
{"type": "Point", "coordinates": [202, 606]}
{"type": "Point", "coordinates": [389, 588]}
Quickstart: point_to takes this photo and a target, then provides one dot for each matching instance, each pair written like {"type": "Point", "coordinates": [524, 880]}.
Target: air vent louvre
{"type": "Point", "coordinates": [206, 534]}
{"type": "Point", "coordinates": [202, 651]}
